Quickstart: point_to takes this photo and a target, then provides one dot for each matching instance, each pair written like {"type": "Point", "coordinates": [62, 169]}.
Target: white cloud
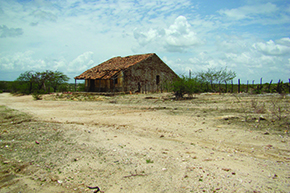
{"type": "Point", "coordinates": [81, 63]}
{"type": "Point", "coordinates": [145, 38]}
{"type": "Point", "coordinates": [284, 41]}
{"type": "Point", "coordinates": [232, 43]}
{"type": "Point", "coordinates": [180, 35]}
{"type": "Point", "coordinates": [176, 38]}
{"type": "Point", "coordinates": [44, 15]}
{"type": "Point", "coordinates": [248, 11]}
{"type": "Point", "coordinates": [269, 60]}
{"type": "Point", "coordinates": [21, 61]}
{"type": "Point", "coordinates": [66, 35]}
{"type": "Point", "coordinates": [271, 48]}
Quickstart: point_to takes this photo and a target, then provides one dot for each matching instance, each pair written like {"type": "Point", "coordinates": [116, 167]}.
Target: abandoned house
{"type": "Point", "coordinates": [137, 73]}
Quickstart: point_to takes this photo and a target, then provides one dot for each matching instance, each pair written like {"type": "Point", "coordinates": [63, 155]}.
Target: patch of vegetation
{"type": "Point", "coordinates": [200, 83]}
{"type": "Point", "coordinates": [37, 96]}
{"type": "Point", "coordinates": [37, 82]}
{"type": "Point", "coordinates": [149, 161]}
{"type": "Point", "coordinates": [184, 85]}
{"type": "Point", "coordinates": [72, 96]}
{"type": "Point", "coordinates": [215, 76]}
{"type": "Point", "coordinates": [271, 114]}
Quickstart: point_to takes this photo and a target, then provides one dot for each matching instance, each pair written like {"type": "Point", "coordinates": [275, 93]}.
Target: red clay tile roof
{"type": "Point", "coordinates": [111, 67]}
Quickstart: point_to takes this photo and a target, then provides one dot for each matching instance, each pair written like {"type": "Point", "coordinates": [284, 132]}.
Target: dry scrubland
{"type": "Point", "coordinates": [145, 143]}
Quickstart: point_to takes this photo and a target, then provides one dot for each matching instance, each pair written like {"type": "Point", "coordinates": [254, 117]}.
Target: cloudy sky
{"type": "Point", "coordinates": [250, 37]}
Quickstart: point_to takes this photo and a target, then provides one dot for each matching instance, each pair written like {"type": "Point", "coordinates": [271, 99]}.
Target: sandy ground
{"type": "Point", "coordinates": [150, 143]}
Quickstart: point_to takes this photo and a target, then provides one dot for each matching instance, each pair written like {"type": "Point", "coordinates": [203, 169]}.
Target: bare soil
{"type": "Point", "coordinates": [145, 143]}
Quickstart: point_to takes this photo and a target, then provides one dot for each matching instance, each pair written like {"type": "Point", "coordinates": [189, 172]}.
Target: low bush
{"type": "Point", "coordinates": [37, 96]}
{"type": "Point", "coordinates": [185, 85]}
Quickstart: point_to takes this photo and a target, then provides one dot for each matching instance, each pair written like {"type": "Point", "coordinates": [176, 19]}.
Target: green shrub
{"type": "Point", "coordinates": [81, 87]}
{"type": "Point", "coordinates": [185, 85]}
{"type": "Point", "coordinates": [149, 161]}
{"type": "Point", "coordinates": [63, 88]}
{"type": "Point", "coordinates": [37, 96]}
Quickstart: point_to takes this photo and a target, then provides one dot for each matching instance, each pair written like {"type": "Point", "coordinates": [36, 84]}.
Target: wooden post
{"type": "Point", "coordinates": [114, 85]}
{"type": "Point", "coordinates": [239, 85]}
{"type": "Point", "coordinates": [269, 88]}
{"type": "Point", "coordinates": [278, 87]}
{"type": "Point", "coordinates": [289, 85]}
{"type": "Point", "coordinates": [75, 85]}
{"type": "Point", "coordinates": [100, 85]}
{"type": "Point", "coordinates": [253, 82]}
{"type": "Point", "coordinates": [260, 86]}
{"type": "Point", "coordinates": [247, 86]}
{"type": "Point", "coordinates": [189, 74]}
{"type": "Point", "coordinates": [232, 86]}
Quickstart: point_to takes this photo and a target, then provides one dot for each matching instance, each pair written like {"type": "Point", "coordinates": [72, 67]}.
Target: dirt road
{"type": "Point", "coordinates": [149, 143]}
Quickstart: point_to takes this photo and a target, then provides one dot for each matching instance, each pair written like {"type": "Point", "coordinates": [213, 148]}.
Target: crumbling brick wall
{"type": "Point", "coordinates": [147, 76]}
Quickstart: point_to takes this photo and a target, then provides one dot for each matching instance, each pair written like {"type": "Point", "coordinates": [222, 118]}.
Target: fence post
{"type": "Point", "coordinates": [247, 86]}
{"type": "Point", "coordinates": [239, 85]}
{"type": "Point", "coordinates": [269, 89]}
{"type": "Point", "coordinates": [278, 87]}
{"type": "Point", "coordinates": [227, 86]}
{"type": "Point", "coordinates": [289, 85]}
{"type": "Point", "coordinates": [232, 86]}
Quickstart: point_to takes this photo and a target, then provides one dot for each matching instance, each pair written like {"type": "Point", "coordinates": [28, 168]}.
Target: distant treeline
{"type": "Point", "coordinates": [252, 88]}
{"type": "Point", "coordinates": [13, 87]}
{"type": "Point", "coordinates": [31, 82]}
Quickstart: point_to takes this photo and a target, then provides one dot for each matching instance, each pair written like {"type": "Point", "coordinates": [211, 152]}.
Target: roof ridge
{"type": "Point", "coordinates": [113, 64]}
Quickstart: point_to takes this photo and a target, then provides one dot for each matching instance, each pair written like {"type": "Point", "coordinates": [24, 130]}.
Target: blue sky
{"type": "Point", "coordinates": [250, 37]}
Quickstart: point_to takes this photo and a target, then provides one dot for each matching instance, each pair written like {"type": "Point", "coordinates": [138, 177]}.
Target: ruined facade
{"type": "Point", "coordinates": [137, 73]}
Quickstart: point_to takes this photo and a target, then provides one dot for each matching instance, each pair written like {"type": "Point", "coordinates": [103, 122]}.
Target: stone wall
{"type": "Point", "coordinates": [147, 76]}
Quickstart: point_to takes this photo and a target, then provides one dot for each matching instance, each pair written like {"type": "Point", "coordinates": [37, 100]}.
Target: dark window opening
{"type": "Point", "coordinates": [157, 79]}
{"type": "Point", "coordinates": [139, 87]}
{"type": "Point", "coordinates": [116, 81]}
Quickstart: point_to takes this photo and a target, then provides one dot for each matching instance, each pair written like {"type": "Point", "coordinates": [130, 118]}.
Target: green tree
{"type": "Point", "coordinates": [31, 82]}
{"type": "Point", "coordinates": [185, 85]}
{"type": "Point", "coordinates": [40, 79]}
{"type": "Point", "coordinates": [24, 83]}
{"type": "Point", "coordinates": [215, 76]}
{"type": "Point", "coordinates": [3, 86]}
{"type": "Point", "coordinates": [56, 79]}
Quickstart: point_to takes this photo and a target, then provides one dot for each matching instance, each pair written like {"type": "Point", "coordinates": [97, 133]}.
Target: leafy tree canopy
{"type": "Point", "coordinates": [216, 75]}
{"type": "Point", "coordinates": [31, 81]}
{"type": "Point", "coordinates": [185, 85]}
